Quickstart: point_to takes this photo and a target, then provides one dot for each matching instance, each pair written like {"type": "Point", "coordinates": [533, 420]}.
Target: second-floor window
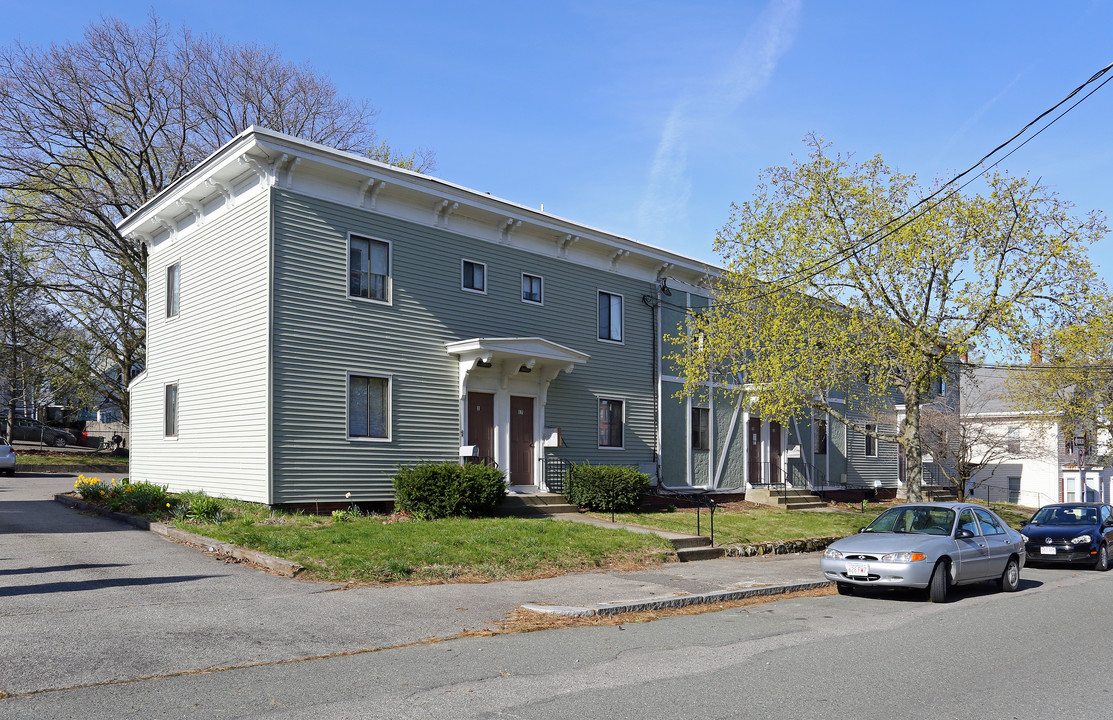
{"type": "Point", "coordinates": [368, 268]}
{"type": "Point", "coordinates": [173, 286]}
{"type": "Point", "coordinates": [610, 317]}
{"type": "Point", "coordinates": [1012, 440]}
{"type": "Point", "coordinates": [531, 288]}
{"type": "Point", "coordinates": [474, 276]}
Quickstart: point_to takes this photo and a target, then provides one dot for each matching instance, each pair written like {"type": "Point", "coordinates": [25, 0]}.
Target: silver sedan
{"type": "Point", "coordinates": [927, 545]}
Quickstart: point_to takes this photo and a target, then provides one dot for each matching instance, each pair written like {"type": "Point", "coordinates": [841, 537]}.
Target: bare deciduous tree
{"type": "Point", "coordinates": [90, 130]}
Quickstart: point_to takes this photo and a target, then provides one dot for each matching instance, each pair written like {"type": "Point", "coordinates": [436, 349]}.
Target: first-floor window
{"type": "Point", "coordinates": [701, 428]}
{"type": "Point", "coordinates": [871, 441]}
{"type": "Point", "coordinates": [610, 423]}
{"type": "Point", "coordinates": [819, 435]}
{"type": "Point", "coordinates": [368, 406]}
{"type": "Point", "coordinates": [170, 412]}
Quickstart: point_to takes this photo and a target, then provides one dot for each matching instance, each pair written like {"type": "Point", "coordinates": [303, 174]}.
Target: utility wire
{"type": "Point", "coordinates": [824, 264]}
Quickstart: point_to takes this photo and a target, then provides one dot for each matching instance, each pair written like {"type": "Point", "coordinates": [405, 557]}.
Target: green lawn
{"type": "Point", "coordinates": [742, 527]}
{"type": "Point", "coordinates": [79, 459]}
{"type": "Point", "coordinates": [374, 549]}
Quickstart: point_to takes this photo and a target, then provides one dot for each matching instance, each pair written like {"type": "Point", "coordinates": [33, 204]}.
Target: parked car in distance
{"type": "Point", "coordinates": [35, 431]}
{"type": "Point", "coordinates": [7, 457]}
{"type": "Point", "coordinates": [1070, 533]}
{"type": "Point", "coordinates": [930, 546]}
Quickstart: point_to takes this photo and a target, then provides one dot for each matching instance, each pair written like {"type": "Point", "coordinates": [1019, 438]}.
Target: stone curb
{"type": "Point", "coordinates": [675, 602]}
{"type": "Point", "coordinates": [782, 547]}
{"type": "Point", "coordinates": [68, 469]}
{"type": "Point", "coordinates": [223, 549]}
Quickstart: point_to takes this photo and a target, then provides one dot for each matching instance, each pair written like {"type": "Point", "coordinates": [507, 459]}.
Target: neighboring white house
{"type": "Point", "coordinates": [1038, 465]}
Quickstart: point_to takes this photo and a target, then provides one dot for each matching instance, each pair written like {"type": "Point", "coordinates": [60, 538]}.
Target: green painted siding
{"type": "Point", "coordinates": [674, 428]}
{"type": "Point", "coordinates": [320, 334]}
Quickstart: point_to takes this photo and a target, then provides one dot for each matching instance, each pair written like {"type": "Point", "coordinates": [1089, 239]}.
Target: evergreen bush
{"type": "Point", "coordinates": [441, 490]}
{"type": "Point", "coordinates": [606, 488]}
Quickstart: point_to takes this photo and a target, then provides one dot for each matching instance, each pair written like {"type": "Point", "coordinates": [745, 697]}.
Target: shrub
{"type": "Point", "coordinates": [606, 488]}
{"type": "Point", "coordinates": [441, 490]}
{"type": "Point", "coordinates": [201, 508]}
{"type": "Point", "coordinates": [125, 496]}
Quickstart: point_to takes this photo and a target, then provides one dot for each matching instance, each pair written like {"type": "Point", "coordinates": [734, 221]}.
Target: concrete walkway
{"type": "Point", "coordinates": [87, 599]}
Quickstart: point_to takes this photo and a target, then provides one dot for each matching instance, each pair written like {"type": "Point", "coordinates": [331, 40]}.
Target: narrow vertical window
{"type": "Point", "coordinates": [368, 268]}
{"type": "Point", "coordinates": [531, 288]}
{"type": "Point", "coordinates": [610, 423]}
{"type": "Point", "coordinates": [610, 317]}
{"type": "Point", "coordinates": [1012, 442]}
{"type": "Point", "coordinates": [474, 276]}
{"type": "Point", "coordinates": [170, 411]}
{"type": "Point", "coordinates": [368, 407]}
{"type": "Point", "coordinates": [819, 435]}
{"type": "Point", "coordinates": [871, 441]}
{"type": "Point", "coordinates": [701, 428]}
{"type": "Point", "coordinates": [173, 283]}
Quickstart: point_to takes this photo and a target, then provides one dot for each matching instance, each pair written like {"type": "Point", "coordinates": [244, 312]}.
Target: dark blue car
{"type": "Point", "coordinates": [1070, 533]}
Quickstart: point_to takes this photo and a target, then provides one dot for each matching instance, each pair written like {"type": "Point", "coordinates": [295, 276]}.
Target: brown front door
{"type": "Point", "coordinates": [521, 440]}
{"type": "Point", "coordinates": [774, 451]}
{"type": "Point", "coordinates": [753, 446]}
{"type": "Point", "coordinates": [481, 425]}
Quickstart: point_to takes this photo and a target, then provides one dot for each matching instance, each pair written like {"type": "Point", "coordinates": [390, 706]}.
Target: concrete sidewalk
{"type": "Point", "coordinates": [88, 599]}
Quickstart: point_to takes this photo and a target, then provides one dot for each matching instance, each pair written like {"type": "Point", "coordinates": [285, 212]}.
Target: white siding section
{"type": "Point", "coordinates": [216, 350]}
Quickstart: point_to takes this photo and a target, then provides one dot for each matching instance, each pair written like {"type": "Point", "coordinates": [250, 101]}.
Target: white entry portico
{"type": "Point", "coordinates": [504, 383]}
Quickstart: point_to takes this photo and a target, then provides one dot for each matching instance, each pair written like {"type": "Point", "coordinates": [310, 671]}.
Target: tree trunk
{"type": "Point", "coordinates": [913, 454]}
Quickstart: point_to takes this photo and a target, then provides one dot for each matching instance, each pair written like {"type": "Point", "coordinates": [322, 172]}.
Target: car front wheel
{"type": "Point", "coordinates": [937, 588]}
{"type": "Point", "coordinates": [1010, 579]}
{"type": "Point", "coordinates": [1102, 563]}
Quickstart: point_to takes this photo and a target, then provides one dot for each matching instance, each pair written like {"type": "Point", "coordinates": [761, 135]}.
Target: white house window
{"type": "Point", "coordinates": [1012, 440]}
{"type": "Point", "coordinates": [368, 407]}
{"type": "Point", "coordinates": [610, 317]}
{"type": "Point", "coordinates": [531, 288]}
{"type": "Point", "coordinates": [701, 428]}
{"type": "Point", "coordinates": [173, 285]}
{"type": "Point", "coordinates": [474, 276]}
{"type": "Point", "coordinates": [871, 441]}
{"type": "Point", "coordinates": [368, 268]}
{"type": "Point", "coordinates": [610, 423]}
{"type": "Point", "coordinates": [170, 411]}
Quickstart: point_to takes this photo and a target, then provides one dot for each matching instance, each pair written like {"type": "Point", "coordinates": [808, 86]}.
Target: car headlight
{"type": "Point", "coordinates": [832, 554]}
{"type": "Point", "coordinates": [1080, 540]}
{"type": "Point", "coordinates": [902, 557]}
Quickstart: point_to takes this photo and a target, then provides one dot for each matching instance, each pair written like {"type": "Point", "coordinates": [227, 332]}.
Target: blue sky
{"type": "Point", "coordinates": [648, 118]}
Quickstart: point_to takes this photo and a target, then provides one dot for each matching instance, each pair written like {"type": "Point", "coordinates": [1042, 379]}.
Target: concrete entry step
{"type": "Point", "coordinates": [535, 505]}
{"type": "Point", "coordinates": [703, 553]}
{"type": "Point", "coordinates": [792, 498]}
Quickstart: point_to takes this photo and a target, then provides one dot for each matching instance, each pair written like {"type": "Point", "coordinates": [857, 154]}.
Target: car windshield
{"type": "Point", "coordinates": [922, 520]}
{"type": "Point", "coordinates": [1066, 516]}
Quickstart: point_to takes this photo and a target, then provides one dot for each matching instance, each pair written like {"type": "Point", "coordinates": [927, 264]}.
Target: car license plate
{"type": "Point", "coordinates": [1045, 550]}
{"type": "Point", "coordinates": [858, 570]}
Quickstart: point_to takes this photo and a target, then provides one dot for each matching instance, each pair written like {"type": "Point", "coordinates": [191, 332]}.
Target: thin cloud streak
{"type": "Point", "coordinates": [663, 208]}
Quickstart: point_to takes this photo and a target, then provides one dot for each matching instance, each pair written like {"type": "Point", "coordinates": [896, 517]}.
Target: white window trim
{"type": "Point", "coordinates": [166, 276]}
{"type": "Point", "coordinates": [389, 268]}
{"type": "Point", "coordinates": [177, 411]}
{"type": "Point", "coordinates": [611, 398]}
{"type": "Point", "coordinates": [486, 279]}
{"type": "Point", "coordinates": [538, 303]}
{"type": "Point", "coordinates": [621, 318]}
{"type": "Point", "coordinates": [389, 406]}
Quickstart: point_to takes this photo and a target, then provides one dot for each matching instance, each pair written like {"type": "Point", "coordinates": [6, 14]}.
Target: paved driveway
{"type": "Point", "coordinates": [88, 600]}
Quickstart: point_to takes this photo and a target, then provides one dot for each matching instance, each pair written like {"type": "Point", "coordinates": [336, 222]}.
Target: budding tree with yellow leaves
{"type": "Point", "coordinates": [849, 281]}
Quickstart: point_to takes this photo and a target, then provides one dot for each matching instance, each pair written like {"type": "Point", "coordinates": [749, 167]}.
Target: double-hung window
{"type": "Point", "coordinates": [871, 441]}
{"type": "Point", "coordinates": [610, 423]}
{"type": "Point", "coordinates": [173, 289]}
{"type": "Point", "coordinates": [610, 317]}
{"type": "Point", "coordinates": [170, 411]}
{"type": "Point", "coordinates": [368, 407]}
{"type": "Point", "coordinates": [474, 276]}
{"type": "Point", "coordinates": [368, 268]}
{"type": "Point", "coordinates": [819, 435]}
{"type": "Point", "coordinates": [531, 289]}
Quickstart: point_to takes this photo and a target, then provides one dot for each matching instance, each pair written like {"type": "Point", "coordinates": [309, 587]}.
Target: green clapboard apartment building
{"type": "Point", "coordinates": [316, 319]}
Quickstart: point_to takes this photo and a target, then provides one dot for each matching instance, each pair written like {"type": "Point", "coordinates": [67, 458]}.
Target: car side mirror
{"type": "Point", "coordinates": [1023, 523]}
{"type": "Point", "coordinates": [964, 534]}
